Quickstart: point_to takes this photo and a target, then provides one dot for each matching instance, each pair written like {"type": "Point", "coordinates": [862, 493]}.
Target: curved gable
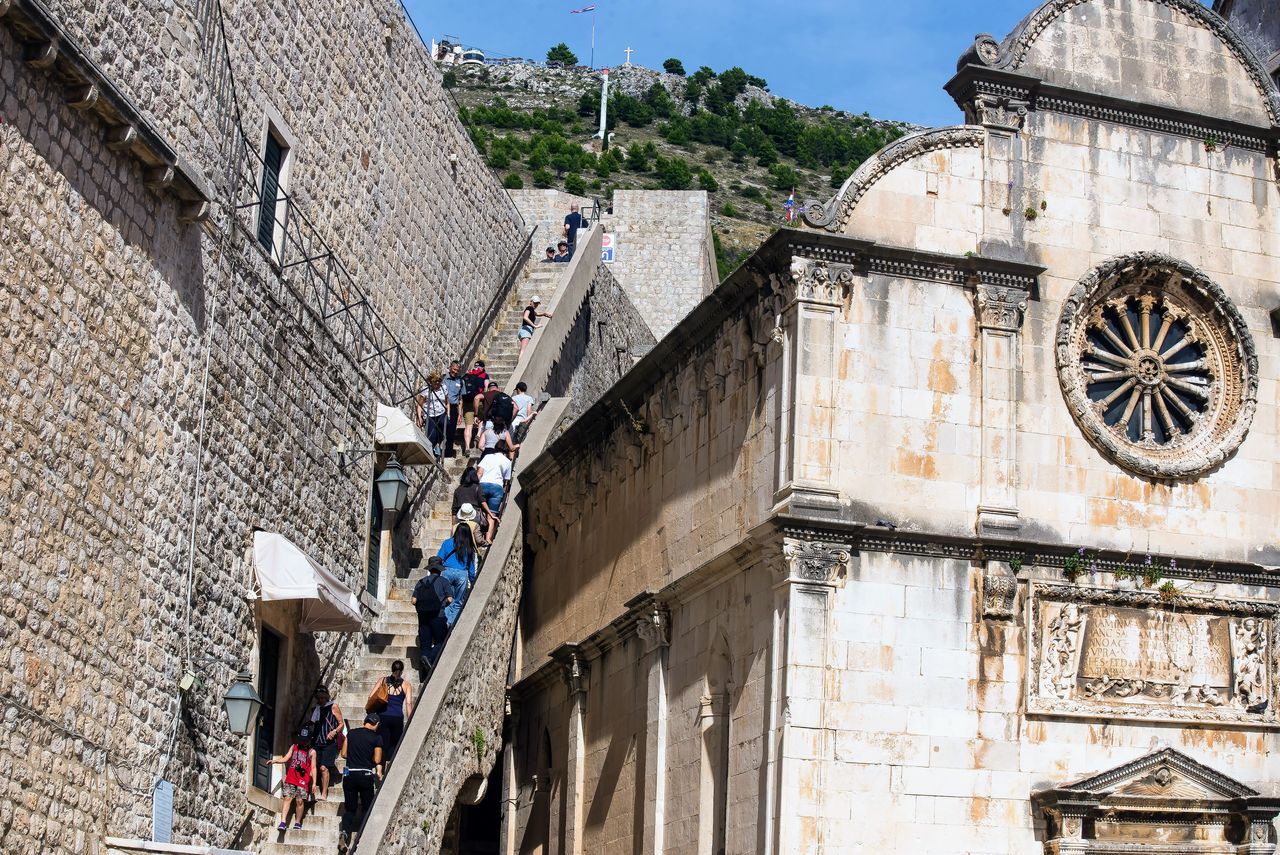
{"type": "Point", "coordinates": [1171, 53]}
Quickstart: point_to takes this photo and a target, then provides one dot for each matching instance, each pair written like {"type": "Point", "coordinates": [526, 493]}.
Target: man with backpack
{"type": "Point", "coordinates": [473, 385]}
{"type": "Point", "coordinates": [430, 597]}
{"type": "Point", "coordinates": [498, 405]}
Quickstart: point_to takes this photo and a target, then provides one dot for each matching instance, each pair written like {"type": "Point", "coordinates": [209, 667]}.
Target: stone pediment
{"type": "Point", "coordinates": [1161, 802]}
{"type": "Point", "coordinates": [1167, 774]}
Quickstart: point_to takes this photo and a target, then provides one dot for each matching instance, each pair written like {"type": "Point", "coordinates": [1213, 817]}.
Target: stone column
{"type": "Point", "coordinates": [574, 671]}
{"type": "Point", "coordinates": [806, 575]}
{"type": "Point", "coordinates": [653, 629]}
{"type": "Point", "coordinates": [813, 296]}
{"type": "Point", "coordinates": [508, 832]}
{"type": "Point", "coordinates": [1000, 309]}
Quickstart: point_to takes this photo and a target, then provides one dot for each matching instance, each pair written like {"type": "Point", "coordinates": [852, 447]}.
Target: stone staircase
{"type": "Point", "coordinates": [394, 634]}
{"type": "Point", "coordinates": [500, 349]}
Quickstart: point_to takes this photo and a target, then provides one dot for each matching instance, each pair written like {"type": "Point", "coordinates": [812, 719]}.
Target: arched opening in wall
{"type": "Point", "coordinates": [713, 717]}
{"type": "Point", "coordinates": [475, 823]}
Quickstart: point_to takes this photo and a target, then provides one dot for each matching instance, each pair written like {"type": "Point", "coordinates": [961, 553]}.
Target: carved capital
{"type": "Point", "coordinates": [815, 562]}
{"type": "Point", "coordinates": [999, 590]}
{"type": "Point", "coordinates": [652, 621]}
{"type": "Point", "coordinates": [574, 669]}
{"type": "Point", "coordinates": [823, 282]}
{"type": "Point", "coordinates": [1000, 113]}
{"type": "Point", "coordinates": [1000, 307]}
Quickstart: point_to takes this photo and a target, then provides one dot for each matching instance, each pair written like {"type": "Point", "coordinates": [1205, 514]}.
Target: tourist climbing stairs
{"type": "Point", "coordinates": [394, 633]}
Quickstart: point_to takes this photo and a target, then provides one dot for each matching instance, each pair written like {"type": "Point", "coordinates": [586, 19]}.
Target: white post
{"type": "Point", "coordinates": [604, 110]}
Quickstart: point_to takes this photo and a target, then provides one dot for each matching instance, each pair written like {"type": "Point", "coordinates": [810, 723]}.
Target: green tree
{"type": "Point", "coordinates": [543, 178]}
{"type": "Point", "coordinates": [574, 184]}
{"type": "Point", "coordinates": [767, 155]}
{"type": "Point", "coordinates": [783, 177]}
{"type": "Point", "coordinates": [499, 159]}
{"type": "Point", "coordinates": [513, 182]}
{"type": "Point", "coordinates": [672, 173]}
{"type": "Point", "coordinates": [673, 66]}
{"type": "Point", "coordinates": [660, 100]}
{"type": "Point", "coordinates": [563, 162]}
{"type": "Point", "coordinates": [561, 54]}
{"type": "Point", "coordinates": [728, 210]}
{"type": "Point", "coordinates": [733, 82]}
{"type": "Point", "coordinates": [739, 151]}
{"type": "Point", "coordinates": [538, 157]}
{"type": "Point", "coordinates": [839, 173]}
{"type": "Point", "coordinates": [450, 79]}
{"type": "Point", "coordinates": [589, 103]}
{"type": "Point", "coordinates": [707, 181]}
{"type": "Point", "coordinates": [637, 158]}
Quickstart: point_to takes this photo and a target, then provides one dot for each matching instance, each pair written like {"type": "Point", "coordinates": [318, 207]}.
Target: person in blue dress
{"type": "Point", "coordinates": [460, 560]}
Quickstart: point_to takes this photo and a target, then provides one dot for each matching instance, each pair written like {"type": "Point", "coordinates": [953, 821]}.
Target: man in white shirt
{"type": "Point", "coordinates": [524, 406]}
{"type": "Point", "coordinates": [495, 471]}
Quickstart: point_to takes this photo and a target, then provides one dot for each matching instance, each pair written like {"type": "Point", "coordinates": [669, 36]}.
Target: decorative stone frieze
{"type": "Point", "coordinates": [1162, 802]}
{"type": "Point", "coordinates": [1157, 366]}
{"type": "Point", "coordinates": [1103, 653]}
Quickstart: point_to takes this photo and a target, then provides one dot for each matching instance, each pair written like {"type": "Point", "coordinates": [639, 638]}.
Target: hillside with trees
{"type": "Point", "coordinates": [720, 132]}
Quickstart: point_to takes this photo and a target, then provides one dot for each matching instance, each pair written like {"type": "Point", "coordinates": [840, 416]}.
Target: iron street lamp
{"type": "Point", "coordinates": [393, 487]}
{"type": "Point", "coordinates": [242, 704]}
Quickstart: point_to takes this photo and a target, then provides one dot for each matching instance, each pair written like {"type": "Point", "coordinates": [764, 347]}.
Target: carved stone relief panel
{"type": "Point", "coordinates": [1102, 653]}
{"type": "Point", "coordinates": [1157, 366]}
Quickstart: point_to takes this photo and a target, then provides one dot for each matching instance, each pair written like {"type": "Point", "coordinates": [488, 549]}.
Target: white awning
{"type": "Point", "coordinates": [396, 432]}
{"type": "Point", "coordinates": [286, 573]}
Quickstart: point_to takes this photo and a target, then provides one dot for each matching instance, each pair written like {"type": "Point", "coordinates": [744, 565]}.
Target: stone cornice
{"type": "Point", "coordinates": [974, 87]}
{"type": "Point", "coordinates": [864, 537]}
{"type": "Point", "coordinates": [1012, 53]}
{"type": "Point", "coordinates": [88, 89]}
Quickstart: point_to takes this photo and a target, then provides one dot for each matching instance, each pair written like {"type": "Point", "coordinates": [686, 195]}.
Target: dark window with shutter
{"type": "Point", "coordinates": [375, 543]}
{"type": "Point", "coordinates": [264, 742]}
{"type": "Point", "coordinates": [273, 159]}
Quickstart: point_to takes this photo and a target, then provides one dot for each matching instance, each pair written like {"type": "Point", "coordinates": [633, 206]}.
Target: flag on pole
{"type": "Point", "coordinates": [590, 8]}
{"type": "Point", "coordinates": [790, 205]}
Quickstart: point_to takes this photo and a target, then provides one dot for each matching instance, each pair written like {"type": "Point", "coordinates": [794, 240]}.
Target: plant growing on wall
{"type": "Point", "coordinates": [477, 739]}
{"type": "Point", "coordinates": [1073, 566]}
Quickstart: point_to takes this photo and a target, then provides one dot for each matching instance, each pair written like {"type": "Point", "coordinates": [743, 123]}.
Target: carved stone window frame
{"type": "Point", "coordinates": [1045, 600]}
{"type": "Point", "coordinates": [1220, 330]}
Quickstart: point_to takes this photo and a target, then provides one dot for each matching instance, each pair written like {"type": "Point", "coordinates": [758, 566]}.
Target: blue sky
{"type": "Point", "coordinates": [888, 58]}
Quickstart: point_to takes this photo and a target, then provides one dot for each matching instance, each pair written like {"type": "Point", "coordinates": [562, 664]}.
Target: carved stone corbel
{"type": "Point", "coordinates": [999, 113]}
{"type": "Point", "coordinates": [574, 669]}
{"type": "Point", "coordinates": [999, 591]}
{"type": "Point", "coordinates": [651, 620]}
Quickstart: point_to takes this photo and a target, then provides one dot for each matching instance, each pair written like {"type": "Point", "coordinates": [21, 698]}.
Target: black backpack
{"type": "Point", "coordinates": [503, 408]}
{"type": "Point", "coordinates": [472, 384]}
{"type": "Point", "coordinates": [428, 595]}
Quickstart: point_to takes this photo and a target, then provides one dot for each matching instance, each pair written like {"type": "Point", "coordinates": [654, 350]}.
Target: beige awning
{"type": "Point", "coordinates": [396, 432]}
{"type": "Point", "coordinates": [285, 572]}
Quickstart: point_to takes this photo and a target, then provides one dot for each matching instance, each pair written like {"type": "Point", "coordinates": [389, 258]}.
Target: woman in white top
{"type": "Point", "coordinates": [495, 471]}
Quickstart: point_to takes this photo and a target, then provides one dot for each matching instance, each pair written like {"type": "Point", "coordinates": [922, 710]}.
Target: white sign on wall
{"type": "Point", "coordinates": [606, 248]}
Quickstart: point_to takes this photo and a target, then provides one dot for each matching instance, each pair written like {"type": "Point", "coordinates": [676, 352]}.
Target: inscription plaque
{"type": "Point", "coordinates": [1131, 654]}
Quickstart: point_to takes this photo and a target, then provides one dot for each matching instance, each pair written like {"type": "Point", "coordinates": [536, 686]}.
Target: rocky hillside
{"type": "Point", "coordinates": [724, 133]}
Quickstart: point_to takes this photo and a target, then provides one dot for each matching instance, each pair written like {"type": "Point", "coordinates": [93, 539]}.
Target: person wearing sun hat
{"type": "Point", "coordinates": [529, 321]}
{"type": "Point", "coordinates": [467, 516]}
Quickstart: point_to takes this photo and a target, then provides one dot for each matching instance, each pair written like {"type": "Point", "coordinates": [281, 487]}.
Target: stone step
{"type": "Point", "coordinates": [301, 848]}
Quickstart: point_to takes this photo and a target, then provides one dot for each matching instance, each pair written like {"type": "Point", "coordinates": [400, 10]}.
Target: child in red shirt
{"type": "Point", "coordinates": [299, 778]}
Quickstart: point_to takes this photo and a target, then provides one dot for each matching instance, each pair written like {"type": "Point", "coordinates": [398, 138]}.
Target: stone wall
{"type": "Point", "coordinates": [171, 392]}
{"type": "Point", "coordinates": [1259, 26]}
{"type": "Point", "coordinates": [608, 335]}
{"type": "Point", "coordinates": [664, 256]}
{"type": "Point", "coordinates": [663, 252]}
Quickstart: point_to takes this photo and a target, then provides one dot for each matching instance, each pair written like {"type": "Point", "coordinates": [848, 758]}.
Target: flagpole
{"type": "Point", "coordinates": [593, 37]}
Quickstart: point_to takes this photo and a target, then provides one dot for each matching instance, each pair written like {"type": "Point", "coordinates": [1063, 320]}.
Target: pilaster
{"type": "Point", "coordinates": [1000, 308]}
{"type": "Point", "coordinates": [813, 294]}
{"type": "Point", "coordinates": [806, 575]}
{"type": "Point", "coordinates": [653, 630]}
{"type": "Point", "coordinates": [575, 673]}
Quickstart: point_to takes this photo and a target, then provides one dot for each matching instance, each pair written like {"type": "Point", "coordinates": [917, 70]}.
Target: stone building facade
{"type": "Point", "coordinates": [182, 368]}
{"type": "Point", "coordinates": [948, 523]}
{"type": "Point", "coordinates": [1258, 24]}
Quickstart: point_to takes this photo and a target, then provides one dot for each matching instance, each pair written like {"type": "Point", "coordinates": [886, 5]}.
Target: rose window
{"type": "Point", "coordinates": [1157, 366]}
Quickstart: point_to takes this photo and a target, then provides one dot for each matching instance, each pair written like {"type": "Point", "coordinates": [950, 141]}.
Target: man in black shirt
{"type": "Point", "coordinates": [363, 751]}
{"type": "Point", "coordinates": [430, 596]}
{"type": "Point", "coordinates": [572, 222]}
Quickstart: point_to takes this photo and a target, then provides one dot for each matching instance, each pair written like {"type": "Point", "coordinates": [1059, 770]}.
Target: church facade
{"type": "Point", "coordinates": [948, 523]}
